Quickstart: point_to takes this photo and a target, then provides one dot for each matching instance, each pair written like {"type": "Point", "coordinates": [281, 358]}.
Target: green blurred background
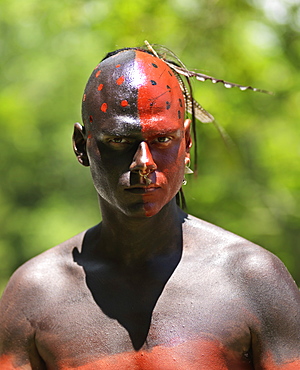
{"type": "Point", "coordinates": [49, 48]}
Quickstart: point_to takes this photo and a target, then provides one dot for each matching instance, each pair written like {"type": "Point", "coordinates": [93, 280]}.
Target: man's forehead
{"type": "Point", "coordinates": [134, 83]}
{"type": "Point", "coordinates": [158, 125]}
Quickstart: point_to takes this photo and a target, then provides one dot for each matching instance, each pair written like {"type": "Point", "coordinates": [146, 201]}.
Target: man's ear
{"type": "Point", "coordinates": [188, 138]}
{"type": "Point", "coordinates": [79, 144]}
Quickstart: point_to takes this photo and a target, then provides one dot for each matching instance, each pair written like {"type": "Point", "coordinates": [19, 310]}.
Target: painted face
{"type": "Point", "coordinates": [137, 139]}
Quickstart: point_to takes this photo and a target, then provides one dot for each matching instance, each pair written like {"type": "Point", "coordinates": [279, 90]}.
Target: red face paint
{"type": "Point", "coordinates": [160, 94]}
{"type": "Point", "coordinates": [161, 114]}
{"type": "Point", "coordinates": [124, 103]}
{"type": "Point", "coordinates": [104, 107]}
{"type": "Point", "coordinates": [120, 80]}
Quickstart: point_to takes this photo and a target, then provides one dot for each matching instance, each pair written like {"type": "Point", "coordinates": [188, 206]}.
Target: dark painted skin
{"type": "Point", "coordinates": [150, 287]}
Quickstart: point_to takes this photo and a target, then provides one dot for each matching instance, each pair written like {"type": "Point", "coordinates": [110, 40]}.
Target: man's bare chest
{"type": "Point", "coordinates": [185, 317]}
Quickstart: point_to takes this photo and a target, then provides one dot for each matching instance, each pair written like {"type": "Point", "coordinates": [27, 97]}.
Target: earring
{"type": "Point", "coordinates": [187, 171]}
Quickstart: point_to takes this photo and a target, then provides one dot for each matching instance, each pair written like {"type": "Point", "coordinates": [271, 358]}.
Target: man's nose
{"type": "Point", "coordinates": [143, 160]}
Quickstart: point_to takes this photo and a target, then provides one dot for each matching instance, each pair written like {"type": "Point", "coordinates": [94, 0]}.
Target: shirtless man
{"type": "Point", "coordinates": [150, 287]}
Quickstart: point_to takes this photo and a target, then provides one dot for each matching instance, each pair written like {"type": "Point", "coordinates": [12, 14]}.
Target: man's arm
{"type": "Point", "coordinates": [275, 299]}
{"type": "Point", "coordinates": [17, 344]}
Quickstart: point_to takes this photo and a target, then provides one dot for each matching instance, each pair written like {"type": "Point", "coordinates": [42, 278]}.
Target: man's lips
{"type": "Point", "coordinates": [142, 189]}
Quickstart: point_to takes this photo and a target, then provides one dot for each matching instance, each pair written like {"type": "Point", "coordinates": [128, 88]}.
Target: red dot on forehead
{"type": "Point", "coordinates": [124, 103]}
{"type": "Point", "coordinates": [98, 73]}
{"type": "Point", "coordinates": [100, 87]}
{"type": "Point", "coordinates": [120, 80]}
{"type": "Point", "coordinates": [104, 107]}
{"type": "Point", "coordinates": [118, 65]}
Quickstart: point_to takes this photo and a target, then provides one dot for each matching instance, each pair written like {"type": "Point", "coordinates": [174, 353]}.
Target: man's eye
{"type": "Point", "coordinates": [118, 140]}
{"type": "Point", "coordinates": [163, 139]}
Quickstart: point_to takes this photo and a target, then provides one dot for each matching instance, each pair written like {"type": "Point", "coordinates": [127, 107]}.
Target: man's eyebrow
{"type": "Point", "coordinates": [120, 132]}
{"type": "Point", "coordinates": [169, 131]}
{"type": "Point", "coordinates": [164, 132]}
{"type": "Point", "coordinates": [136, 133]}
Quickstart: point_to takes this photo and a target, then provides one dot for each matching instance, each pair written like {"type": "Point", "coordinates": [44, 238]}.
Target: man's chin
{"type": "Point", "coordinates": [143, 210]}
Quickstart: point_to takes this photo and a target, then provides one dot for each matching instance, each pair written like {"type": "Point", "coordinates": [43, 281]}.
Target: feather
{"type": "Point", "coordinates": [181, 69]}
{"type": "Point", "coordinates": [202, 77]}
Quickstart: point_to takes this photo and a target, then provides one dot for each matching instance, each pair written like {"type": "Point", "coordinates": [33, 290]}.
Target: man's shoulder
{"type": "Point", "coordinates": [208, 236]}
{"type": "Point", "coordinates": [43, 271]}
{"type": "Point", "coordinates": [251, 269]}
{"type": "Point", "coordinates": [246, 257]}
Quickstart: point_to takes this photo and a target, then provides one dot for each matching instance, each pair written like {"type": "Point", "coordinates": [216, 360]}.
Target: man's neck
{"type": "Point", "coordinates": [132, 240]}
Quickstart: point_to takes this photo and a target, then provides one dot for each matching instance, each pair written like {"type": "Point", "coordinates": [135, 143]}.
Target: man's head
{"type": "Point", "coordinates": [135, 135]}
{"type": "Point", "coordinates": [135, 83]}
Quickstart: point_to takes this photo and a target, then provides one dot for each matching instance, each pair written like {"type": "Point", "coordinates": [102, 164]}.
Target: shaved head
{"type": "Point", "coordinates": [135, 83]}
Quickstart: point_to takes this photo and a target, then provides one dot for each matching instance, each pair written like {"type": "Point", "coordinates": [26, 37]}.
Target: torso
{"type": "Point", "coordinates": [104, 318]}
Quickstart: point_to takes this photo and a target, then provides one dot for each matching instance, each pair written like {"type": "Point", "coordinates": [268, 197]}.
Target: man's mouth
{"type": "Point", "coordinates": [142, 189]}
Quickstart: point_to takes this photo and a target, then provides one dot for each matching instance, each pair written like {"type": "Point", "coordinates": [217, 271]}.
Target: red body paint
{"type": "Point", "coordinates": [269, 364]}
{"type": "Point", "coordinates": [192, 355]}
{"type": "Point", "coordinates": [120, 80]}
{"type": "Point", "coordinates": [104, 107]}
{"type": "Point", "coordinates": [124, 103]}
{"type": "Point", "coordinates": [161, 110]}
{"type": "Point", "coordinates": [160, 94]}
{"type": "Point", "coordinates": [6, 363]}
{"type": "Point", "coordinates": [201, 354]}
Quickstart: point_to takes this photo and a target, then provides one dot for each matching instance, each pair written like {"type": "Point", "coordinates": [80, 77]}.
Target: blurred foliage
{"type": "Point", "coordinates": [48, 49]}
